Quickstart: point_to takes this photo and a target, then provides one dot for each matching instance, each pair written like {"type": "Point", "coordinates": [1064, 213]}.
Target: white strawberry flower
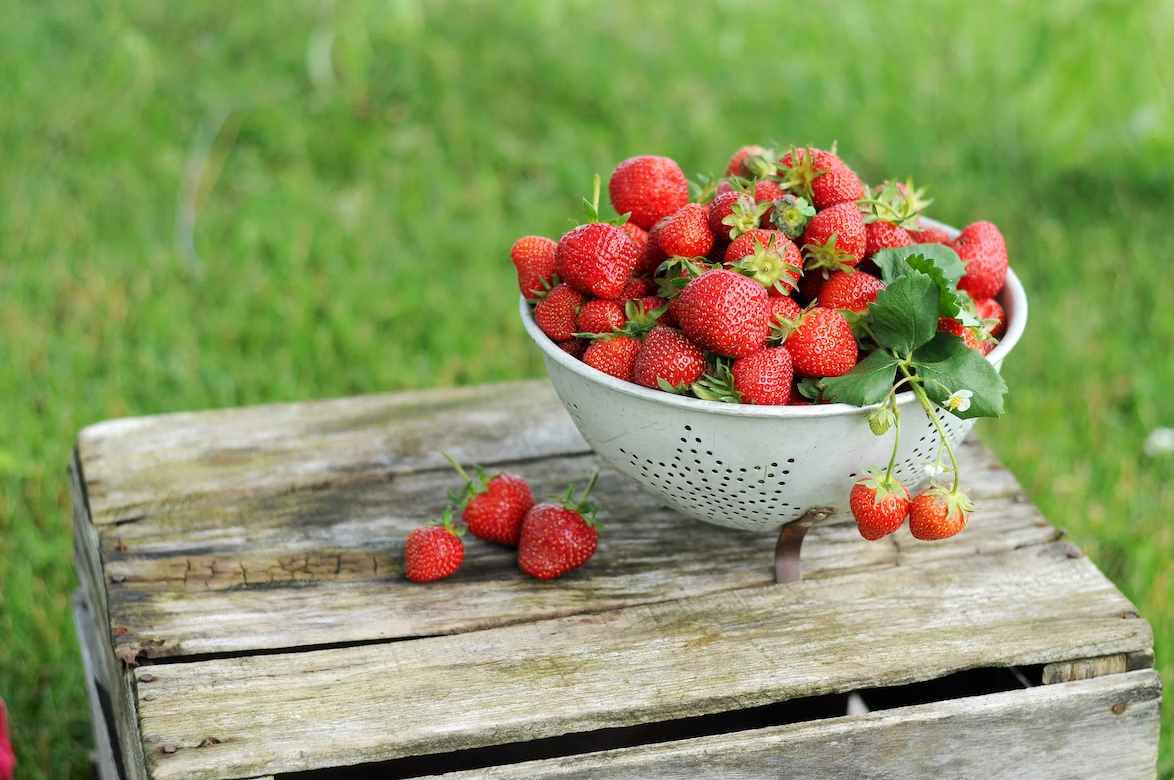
{"type": "Point", "coordinates": [933, 469]}
{"type": "Point", "coordinates": [959, 401]}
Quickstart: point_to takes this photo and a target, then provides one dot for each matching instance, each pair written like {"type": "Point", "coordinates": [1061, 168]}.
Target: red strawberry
{"type": "Point", "coordinates": [7, 755]}
{"type": "Point", "coordinates": [649, 188]}
{"type": "Point", "coordinates": [614, 357]}
{"type": "Point", "coordinates": [600, 316]}
{"type": "Point", "coordinates": [929, 235]}
{"type": "Point", "coordinates": [668, 359]}
{"type": "Point", "coordinates": [556, 313]}
{"type": "Point", "coordinates": [733, 213]}
{"type": "Point", "coordinates": [687, 233]}
{"type": "Point", "coordinates": [574, 347]}
{"type": "Point", "coordinates": [533, 258]}
{"type": "Point", "coordinates": [951, 325]}
{"type": "Point", "coordinates": [558, 538]}
{"type": "Point", "coordinates": [982, 248]}
{"type": "Point", "coordinates": [938, 513]}
{"type": "Point", "coordinates": [835, 238]}
{"type": "Point", "coordinates": [851, 291]}
{"type": "Point", "coordinates": [653, 255]}
{"type": "Point", "coordinates": [768, 257]}
{"type": "Point", "coordinates": [596, 259]}
{"type": "Point", "coordinates": [763, 377]}
{"type": "Point", "coordinates": [992, 314]}
{"type": "Point", "coordinates": [434, 551]}
{"type": "Point", "coordinates": [767, 191]}
{"type": "Point", "coordinates": [783, 309]}
{"type": "Point", "coordinates": [821, 343]}
{"type": "Point", "coordinates": [820, 176]}
{"type": "Point", "coordinates": [638, 235]}
{"type": "Point", "coordinates": [724, 312]}
{"type": "Point", "coordinates": [884, 235]}
{"type": "Point", "coordinates": [736, 168]}
{"type": "Point", "coordinates": [493, 507]}
{"type": "Point", "coordinates": [635, 288]}
{"type": "Point", "coordinates": [880, 505]}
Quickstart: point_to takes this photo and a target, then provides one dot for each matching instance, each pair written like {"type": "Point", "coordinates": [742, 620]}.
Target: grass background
{"type": "Point", "coordinates": [217, 204]}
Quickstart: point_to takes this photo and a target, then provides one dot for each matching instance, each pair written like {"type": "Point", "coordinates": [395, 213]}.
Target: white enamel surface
{"type": "Point", "coordinates": [744, 466]}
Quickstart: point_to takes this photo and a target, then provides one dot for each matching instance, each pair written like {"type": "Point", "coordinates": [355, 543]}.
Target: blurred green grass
{"type": "Point", "coordinates": [369, 164]}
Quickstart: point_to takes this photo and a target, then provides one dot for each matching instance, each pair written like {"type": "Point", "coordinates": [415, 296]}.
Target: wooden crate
{"type": "Point", "coordinates": [243, 612]}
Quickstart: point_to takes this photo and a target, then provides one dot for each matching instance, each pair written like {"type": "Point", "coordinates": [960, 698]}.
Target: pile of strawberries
{"type": "Point", "coordinates": [552, 538]}
{"type": "Point", "coordinates": [743, 290]}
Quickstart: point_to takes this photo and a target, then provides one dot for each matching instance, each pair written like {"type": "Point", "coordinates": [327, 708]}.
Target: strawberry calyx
{"type": "Point", "coordinates": [640, 322]}
{"type": "Point", "coordinates": [802, 173]}
{"type": "Point", "coordinates": [954, 498]}
{"type": "Point", "coordinates": [702, 188]}
{"type": "Point", "coordinates": [745, 214]}
{"type": "Point", "coordinates": [781, 327]}
{"type": "Point", "coordinates": [828, 256]}
{"type": "Point", "coordinates": [675, 273]}
{"type": "Point", "coordinates": [718, 384]}
{"type": "Point", "coordinates": [768, 266]}
{"type": "Point", "coordinates": [447, 522]}
{"type": "Point", "coordinates": [547, 286]}
{"type": "Point", "coordinates": [472, 487]}
{"type": "Point", "coordinates": [584, 508]}
{"type": "Point", "coordinates": [762, 166]}
{"type": "Point", "coordinates": [894, 202]}
{"type": "Point", "coordinates": [884, 484]}
{"type": "Point", "coordinates": [680, 389]}
{"type": "Point", "coordinates": [791, 215]}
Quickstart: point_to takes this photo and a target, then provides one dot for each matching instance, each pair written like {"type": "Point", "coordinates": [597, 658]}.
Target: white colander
{"type": "Point", "coordinates": [742, 466]}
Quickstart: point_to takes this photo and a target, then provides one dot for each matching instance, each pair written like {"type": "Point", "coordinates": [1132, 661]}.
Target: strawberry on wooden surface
{"type": "Point", "coordinates": [493, 507]}
{"type": "Point", "coordinates": [434, 552]}
{"type": "Point", "coordinates": [559, 537]}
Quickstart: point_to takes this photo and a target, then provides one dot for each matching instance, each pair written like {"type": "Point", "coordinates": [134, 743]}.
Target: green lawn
{"type": "Point", "coordinates": [357, 172]}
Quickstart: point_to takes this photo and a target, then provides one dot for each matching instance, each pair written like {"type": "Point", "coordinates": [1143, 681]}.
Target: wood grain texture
{"type": "Point", "coordinates": [1103, 728]}
{"type": "Point", "coordinates": [142, 466]}
{"type": "Point", "coordinates": [325, 566]}
{"type": "Point", "coordinates": [92, 643]}
{"type": "Point", "coordinates": [288, 712]}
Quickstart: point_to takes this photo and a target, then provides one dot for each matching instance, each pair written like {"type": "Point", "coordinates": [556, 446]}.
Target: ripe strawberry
{"type": "Point", "coordinates": [767, 191]}
{"type": "Point", "coordinates": [574, 347]}
{"type": "Point", "coordinates": [724, 312]}
{"type": "Point", "coordinates": [638, 235]}
{"type": "Point", "coordinates": [982, 248]}
{"type": "Point", "coordinates": [851, 291]}
{"type": "Point", "coordinates": [615, 356]}
{"type": "Point", "coordinates": [596, 259]}
{"type": "Point", "coordinates": [556, 313]}
{"type": "Point", "coordinates": [668, 359]}
{"type": "Point", "coordinates": [821, 343]}
{"type": "Point", "coordinates": [938, 513]}
{"type": "Point", "coordinates": [687, 233]}
{"type": "Point", "coordinates": [992, 315]}
{"type": "Point", "coordinates": [929, 235]}
{"type": "Point", "coordinates": [835, 238]}
{"type": "Point", "coordinates": [635, 288]}
{"type": "Point", "coordinates": [733, 213]}
{"type": "Point", "coordinates": [819, 176]}
{"type": "Point", "coordinates": [558, 538]}
{"type": "Point", "coordinates": [7, 755]}
{"type": "Point", "coordinates": [653, 255]}
{"type": "Point", "coordinates": [533, 258]}
{"type": "Point", "coordinates": [768, 257]}
{"type": "Point", "coordinates": [783, 309]}
{"type": "Point", "coordinates": [649, 188]}
{"type": "Point", "coordinates": [434, 551]}
{"type": "Point", "coordinates": [880, 505]}
{"type": "Point", "coordinates": [764, 377]}
{"type": "Point", "coordinates": [884, 235]}
{"type": "Point", "coordinates": [736, 168]}
{"type": "Point", "coordinates": [951, 325]}
{"type": "Point", "coordinates": [600, 316]}
{"type": "Point", "coordinates": [493, 507]}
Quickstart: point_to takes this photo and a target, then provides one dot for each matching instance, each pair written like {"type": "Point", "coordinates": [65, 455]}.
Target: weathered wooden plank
{"type": "Point", "coordinates": [141, 466]}
{"type": "Point", "coordinates": [1088, 668]}
{"type": "Point", "coordinates": [326, 567]}
{"type": "Point", "coordinates": [91, 643]}
{"type": "Point", "coordinates": [288, 712]}
{"type": "Point", "coordinates": [1103, 728]}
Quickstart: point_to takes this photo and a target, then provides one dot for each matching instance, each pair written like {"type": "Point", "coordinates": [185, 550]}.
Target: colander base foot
{"type": "Point", "coordinates": [787, 565]}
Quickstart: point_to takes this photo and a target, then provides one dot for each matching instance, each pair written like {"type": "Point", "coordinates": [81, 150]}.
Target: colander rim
{"type": "Point", "coordinates": [551, 351]}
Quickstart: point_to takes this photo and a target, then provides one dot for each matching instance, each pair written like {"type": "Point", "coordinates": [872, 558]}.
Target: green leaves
{"type": "Point", "coordinates": [905, 314]}
{"type": "Point", "coordinates": [948, 366]}
{"type": "Point", "coordinates": [868, 382]}
{"type": "Point", "coordinates": [893, 262]}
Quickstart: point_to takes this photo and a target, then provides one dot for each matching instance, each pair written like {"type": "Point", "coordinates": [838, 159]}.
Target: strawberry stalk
{"type": "Point", "coordinates": [928, 407]}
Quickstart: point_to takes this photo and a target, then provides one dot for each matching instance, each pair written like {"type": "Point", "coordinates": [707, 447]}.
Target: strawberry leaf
{"type": "Point", "coordinates": [811, 388]}
{"type": "Point", "coordinates": [868, 382]}
{"type": "Point", "coordinates": [948, 361]}
{"type": "Point", "coordinates": [893, 262]}
{"type": "Point", "coordinates": [905, 314]}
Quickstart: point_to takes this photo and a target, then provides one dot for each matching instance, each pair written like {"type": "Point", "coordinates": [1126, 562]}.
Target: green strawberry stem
{"type": "Point", "coordinates": [928, 407]}
{"type": "Point", "coordinates": [595, 196]}
{"type": "Point", "coordinates": [896, 441]}
{"type": "Point", "coordinates": [457, 466]}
